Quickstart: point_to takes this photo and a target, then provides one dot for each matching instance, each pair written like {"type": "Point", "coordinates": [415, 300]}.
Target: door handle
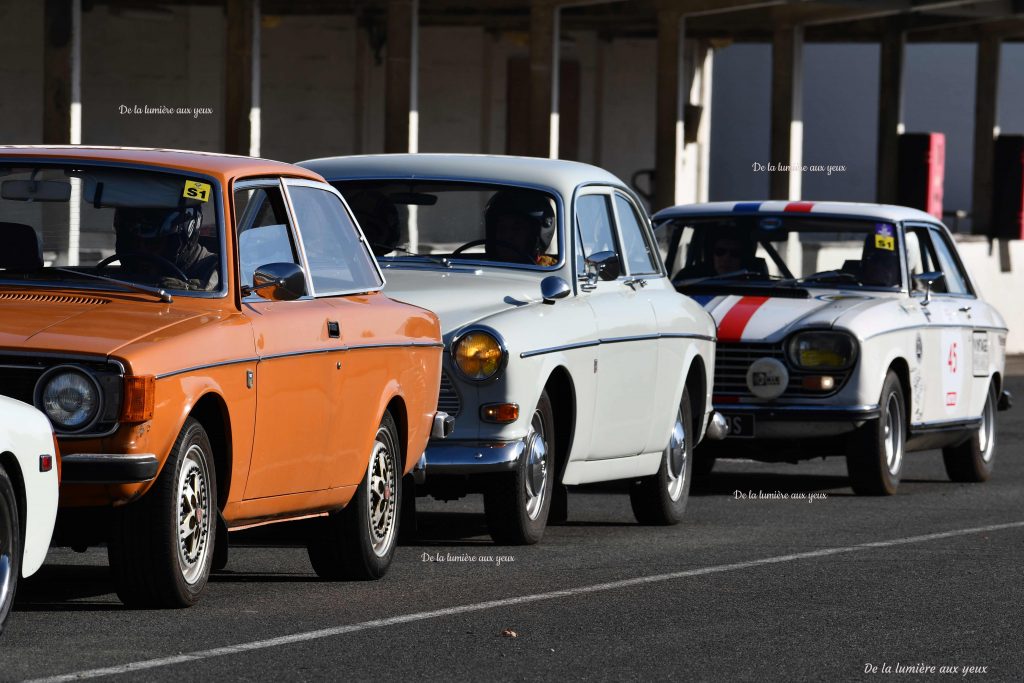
{"type": "Point", "coordinates": [635, 282]}
{"type": "Point", "coordinates": [964, 309]}
{"type": "Point", "coordinates": [333, 329]}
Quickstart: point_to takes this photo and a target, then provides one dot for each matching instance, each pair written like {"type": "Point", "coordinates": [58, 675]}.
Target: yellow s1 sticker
{"type": "Point", "coordinates": [196, 190]}
{"type": "Point", "coordinates": [883, 242]}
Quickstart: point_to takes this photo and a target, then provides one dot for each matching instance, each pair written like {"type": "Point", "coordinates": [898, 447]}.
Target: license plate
{"type": "Point", "coordinates": [741, 425]}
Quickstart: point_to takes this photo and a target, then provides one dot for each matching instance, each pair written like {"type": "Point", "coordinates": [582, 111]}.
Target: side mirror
{"type": "Point", "coordinates": [553, 287]}
{"type": "Point", "coordinates": [606, 264]}
{"type": "Point", "coordinates": [928, 279]}
{"type": "Point", "coordinates": [278, 282]}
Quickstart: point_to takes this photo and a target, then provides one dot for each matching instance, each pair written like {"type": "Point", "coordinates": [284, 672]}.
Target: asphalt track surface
{"type": "Point", "coordinates": [744, 589]}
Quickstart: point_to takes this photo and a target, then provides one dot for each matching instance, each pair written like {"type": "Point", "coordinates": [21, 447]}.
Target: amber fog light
{"type": "Point", "coordinates": [819, 382]}
{"type": "Point", "coordinates": [501, 413]}
{"type": "Point", "coordinates": [479, 355]}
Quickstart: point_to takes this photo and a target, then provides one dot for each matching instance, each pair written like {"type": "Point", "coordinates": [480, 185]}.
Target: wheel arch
{"type": "Point", "coordinates": [9, 464]}
{"type": "Point", "coordinates": [211, 411]}
{"type": "Point", "coordinates": [562, 393]}
{"type": "Point", "coordinates": [902, 369]}
{"type": "Point", "coordinates": [396, 406]}
{"type": "Point", "coordinates": [697, 384]}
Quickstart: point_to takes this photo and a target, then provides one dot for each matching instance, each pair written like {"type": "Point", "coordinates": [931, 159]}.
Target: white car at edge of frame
{"type": "Point", "coordinates": [570, 357]}
{"type": "Point", "coordinates": [843, 329]}
{"type": "Point", "coordinates": [29, 479]}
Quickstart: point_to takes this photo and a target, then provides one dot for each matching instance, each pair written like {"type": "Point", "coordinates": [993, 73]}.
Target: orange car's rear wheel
{"type": "Point", "coordinates": [358, 543]}
{"type": "Point", "coordinates": [161, 547]}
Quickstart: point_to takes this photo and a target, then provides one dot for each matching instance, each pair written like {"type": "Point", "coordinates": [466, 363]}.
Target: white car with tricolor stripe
{"type": "Point", "coordinates": [843, 329]}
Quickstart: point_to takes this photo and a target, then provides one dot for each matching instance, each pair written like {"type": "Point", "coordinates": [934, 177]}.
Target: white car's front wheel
{"type": "Point", "coordinates": [517, 504]}
{"type": "Point", "coordinates": [874, 453]}
{"type": "Point", "coordinates": [10, 546]}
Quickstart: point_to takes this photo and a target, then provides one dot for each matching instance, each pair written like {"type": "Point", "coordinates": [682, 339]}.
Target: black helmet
{"type": "Point", "coordinates": [530, 204]}
{"type": "Point", "coordinates": [177, 226]}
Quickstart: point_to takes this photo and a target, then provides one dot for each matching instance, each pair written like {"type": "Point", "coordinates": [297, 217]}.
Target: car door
{"type": "Point", "coordinates": [294, 345]}
{"type": "Point", "coordinates": [345, 277]}
{"type": "Point", "coordinates": [646, 277]}
{"type": "Point", "coordinates": [627, 357]}
{"type": "Point", "coordinates": [947, 337]}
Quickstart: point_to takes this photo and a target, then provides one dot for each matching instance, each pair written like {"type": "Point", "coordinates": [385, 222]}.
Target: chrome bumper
{"type": "Point", "coordinates": [718, 428]}
{"type": "Point", "coordinates": [471, 457]}
{"type": "Point", "coordinates": [443, 425]}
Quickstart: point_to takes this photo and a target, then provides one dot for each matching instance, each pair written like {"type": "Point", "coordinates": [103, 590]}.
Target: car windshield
{"type": "Point", "coordinates": [109, 227]}
{"type": "Point", "coordinates": [782, 251]}
{"type": "Point", "coordinates": [407, 222]}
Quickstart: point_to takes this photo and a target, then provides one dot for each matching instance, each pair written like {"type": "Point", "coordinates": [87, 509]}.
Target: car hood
{"type": "Point", "coordinates": [769, 319]}
{"type": "Point", "coordinates": [460, 296]}
{"type": "Point", "coordinates": [83, 323]}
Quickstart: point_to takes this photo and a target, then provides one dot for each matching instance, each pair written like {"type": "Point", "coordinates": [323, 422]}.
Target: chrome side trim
{"type": "Point", "coordinates": [309, 352]}
{"type": "Point", "coordinates": [945, 425]}
{"type": "Point", "coordinates": [616, 340]}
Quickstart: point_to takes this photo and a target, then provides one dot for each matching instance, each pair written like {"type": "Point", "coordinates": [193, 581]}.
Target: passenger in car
{"type": "Point", "coordinates": [378, 217]}
{"type": "Point", "coordinates": [520, 225]}
{"type": "Point", "coordinates": [147, 236]}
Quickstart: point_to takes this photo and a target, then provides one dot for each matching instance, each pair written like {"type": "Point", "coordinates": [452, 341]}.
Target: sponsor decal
{"type": "Point", "coordinates": [950, 399]}
{"type": "Point", "coordinates": [979, 354]}
{"type": "Point", "coordinates": [767, 378]}
{"type": "Point", "coordinates": [196, 190]}
{"type": "Point", "coordinates": [884, 237]}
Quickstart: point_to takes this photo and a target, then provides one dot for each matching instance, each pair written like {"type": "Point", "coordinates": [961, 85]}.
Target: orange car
{"type": "Point", "coordinates": [207, 335]}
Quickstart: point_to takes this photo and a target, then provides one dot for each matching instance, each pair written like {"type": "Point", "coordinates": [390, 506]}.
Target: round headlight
{"type": "Point", "coordinates": [70, 398]}
{"type": "Point", "coordinates": [822, 350]}
{"type": "Point", "coordinates": [478, 355]}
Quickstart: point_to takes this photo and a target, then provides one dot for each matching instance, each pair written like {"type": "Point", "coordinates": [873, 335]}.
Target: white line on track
{"type": "Point", "coordinates": [507, 602]}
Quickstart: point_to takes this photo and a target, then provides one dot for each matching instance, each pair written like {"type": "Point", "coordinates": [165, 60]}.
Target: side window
{"type": "Point", "coordinates": [594, 227]}
{"type": "Point", "coordinates": [639, 254]}
{"type": "Point", "coordinates": [956, 283]}
{"type": "Point", "coordinates": [339, 260]}
{"type": "Point", "coordinates": [263, 235]}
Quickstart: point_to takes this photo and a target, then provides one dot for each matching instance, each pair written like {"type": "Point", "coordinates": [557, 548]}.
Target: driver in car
{"type": "Point", "coordinates": [726, 251]}
{"type": "Point", "coordinates": [520, 225]}
{"type": "Point", "coordinates": [163, 243]}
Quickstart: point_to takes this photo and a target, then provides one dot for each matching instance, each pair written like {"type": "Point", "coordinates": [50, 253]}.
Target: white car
{"type": "Point", "coordinates": [571, 358]}
{"type": "Point", "coordinates": [842, 329]}
{"type": "Point", "coordinates": [29, 477]}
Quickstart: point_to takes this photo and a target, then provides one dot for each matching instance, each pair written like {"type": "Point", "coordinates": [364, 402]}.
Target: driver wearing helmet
{"type": "Point", "coordinates": [520, 225]}
{"type": "Point", "coordinates": [164, 243]}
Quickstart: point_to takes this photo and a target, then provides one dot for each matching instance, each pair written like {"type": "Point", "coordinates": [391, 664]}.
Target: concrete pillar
{"type": "Point", "coordinates": [890, 114]}
{"type": "Point", "coordinates": [600, 48]}
{"type": "Point", "coordinates": [256, 67]}
{"type": "Point", "coordinates": [787, 134]}
{"type": "Point", "coordinates": [62, 108]}
{"type": "Point", "coordinates": [359, 83]}
{"type": "Point", "coordinates": [701, 93]}
{"type": "Point", "coordinates": [238, 76]}
{"type": "Point", "coordinates": [668, 151]}
{"type": "Point", "coordinates": [544, 61]}
{"type": "Point", "coordinates": [986, 96]}
{"type": "Point", "coordinates": [401, 109]}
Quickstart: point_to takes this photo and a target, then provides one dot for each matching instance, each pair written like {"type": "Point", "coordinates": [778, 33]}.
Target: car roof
{"type": "Point", "coordinates": [223, 165]}
{"type": "Point", "coordinates": [884, 212]}
{"type": "Point", "coordinates": [557, 174]}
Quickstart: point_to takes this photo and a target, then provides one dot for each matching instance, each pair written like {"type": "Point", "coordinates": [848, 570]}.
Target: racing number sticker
{"type": "Point", "coordinates": [196, 190]}
{"type": "Point", "coordinates": [884, 238]}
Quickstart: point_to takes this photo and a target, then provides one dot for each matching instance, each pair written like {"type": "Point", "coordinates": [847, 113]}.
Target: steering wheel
{"type": "Point", "coordinates": [513, 248]}
{"type": "Point", "coordinates": [154, 258]}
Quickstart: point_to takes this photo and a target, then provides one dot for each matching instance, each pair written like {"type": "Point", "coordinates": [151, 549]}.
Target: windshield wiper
{"type": "Point", "coordinates": [158, 292]}
{"type": "Point", "coordinates": [829, 275]}
{"type": "Point", "coordinates": [440, 260]}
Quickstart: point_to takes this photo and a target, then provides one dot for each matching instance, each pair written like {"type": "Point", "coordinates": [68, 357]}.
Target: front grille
{"type": "Point", "coordinates": [449, 400]}
{"type": "Point", "coordinates": [732, 361]}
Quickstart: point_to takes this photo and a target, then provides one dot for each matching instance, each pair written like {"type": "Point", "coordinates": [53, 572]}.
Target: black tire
{"type": "Point", "coordinates": [153, 564]}
{"type": "Point", "coordinates": [10, 546]}
{"type": "Point", "coordinates": [661, 498]}
{"type": "Point", "coordinates": [517, 505]}
{"type": "Point", "coordinates": [875, 452]}
{"type": "Point", "coordinates": [703, 464]}
{"type": "Point", "coordinates": [971, 461]}
{"type": "Point", "coordinates": [357, 545]}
